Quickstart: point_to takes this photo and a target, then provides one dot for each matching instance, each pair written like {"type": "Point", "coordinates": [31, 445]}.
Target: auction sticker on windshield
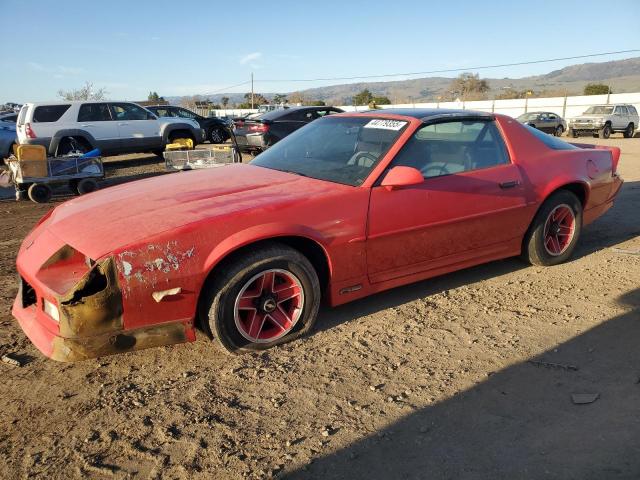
{"type": "Point", "coordinates": [385, 124]}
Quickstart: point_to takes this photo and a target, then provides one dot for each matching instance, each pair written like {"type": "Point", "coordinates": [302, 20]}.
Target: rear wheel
{"type": "Point", "coordinates": [71, 145]}
{"type": "Point", "coordinates": [555, 230]}
{"type": "Point", "coordinates": [573, 133]}
{"type": "Point", "coordinates": [559, 131]}
{"type": "Point", "coordinates": [261, 299]}
{"type": "Point", "coordinates": [40, 192]}
{"type": "Point", "coordinates": [87, 185]}
{"type": "Point", "coordinates": [629, 131]}
{"type": "Point", "coordinates": [605, 132]}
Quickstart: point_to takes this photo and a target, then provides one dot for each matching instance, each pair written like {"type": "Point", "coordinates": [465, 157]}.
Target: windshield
{"type": "Point", "coordinates": [599, 110]}
{"type": "Point", "coordinates": [337, 149]}
{"type": "Point", "coordinates": [528, 116]}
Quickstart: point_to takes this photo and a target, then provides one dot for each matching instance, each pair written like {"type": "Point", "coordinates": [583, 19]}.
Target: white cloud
{"type": "Point", "coordinates": [58, 71]}
{"type": "Point", "coordinates": [37, 67]}
{"type": "Point", "coordinates": [69, 70]}
{"type": "Point", "coordinates": [250, 57]}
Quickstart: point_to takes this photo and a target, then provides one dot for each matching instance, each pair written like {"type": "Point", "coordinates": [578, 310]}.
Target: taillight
{"type": "Point", "coordinates": [29, 131]}
{"type": "Point", "coordinates": [259, 128]}
{"type": "Point", "coordinates": [239, 124]}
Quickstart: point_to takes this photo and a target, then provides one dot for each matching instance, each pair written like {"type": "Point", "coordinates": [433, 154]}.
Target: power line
{"type": "Point", "coordinates": [449, 70]}
{"type": "Point", "coordinates": [224, 90]}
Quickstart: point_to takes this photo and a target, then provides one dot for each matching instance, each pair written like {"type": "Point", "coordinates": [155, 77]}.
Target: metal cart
{"type": "Point", "coordinates": [35, 178]}
{"type": "Point", "coordinates": [217, 156]}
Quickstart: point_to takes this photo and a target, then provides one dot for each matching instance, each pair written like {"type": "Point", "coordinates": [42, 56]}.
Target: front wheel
{"type": "Point", "coordinates": [555, 230]}
{"type": "Point", "coordinates": [216, 135]}
{"type": "Point", "coordinates": [605, 132]}
{"type": "Point", "coordinates": [559, 131]}
{"type": "Point", "coordinates": [573, 133]}
{"type": "Point", "coordinates": [261, 299]}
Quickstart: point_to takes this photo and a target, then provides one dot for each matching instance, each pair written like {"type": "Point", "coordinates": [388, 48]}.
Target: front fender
{"type": "Point", "coordinates": [166, 129]}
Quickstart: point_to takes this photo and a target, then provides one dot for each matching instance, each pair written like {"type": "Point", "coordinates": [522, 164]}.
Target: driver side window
{"type": "Point", "coordinates": [453, 147]}
{"type": "Point", "coordinates": [129, 111]}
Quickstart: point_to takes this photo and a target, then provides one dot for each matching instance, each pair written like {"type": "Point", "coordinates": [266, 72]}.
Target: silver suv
{"type": "Point", "coordinates": [603, 120]}
{"type": "Point", "coordinates": [113, 127]}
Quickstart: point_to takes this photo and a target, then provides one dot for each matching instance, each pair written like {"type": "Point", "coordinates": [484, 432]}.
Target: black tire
{"type": "Point", "coordinates": [629, 131]}
{"type": "Point", "coordinates": [605, 132]}
{"type": "Point", "coordinates": [573, 133]}
{"type": "Point", "coordinates": [72, 145]}
{"type": "Point", "coordinates": [558, 131]}
{"type": "Point", "coordinates": [217, 308]}
{"type": "Point", "coordinates": [216, 135]}
{"type": "Point", "coordinates": [40, 192]}
{"type": "Point", "coordinates": [535, 250]}
{"type": "Point", "coordinates": [87, 185]}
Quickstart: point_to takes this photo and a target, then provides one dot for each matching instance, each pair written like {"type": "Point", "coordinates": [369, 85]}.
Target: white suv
{"type": "Point", "coordinates": [603, 120]}
{"type": "Point", "coordinates": [113, 127]}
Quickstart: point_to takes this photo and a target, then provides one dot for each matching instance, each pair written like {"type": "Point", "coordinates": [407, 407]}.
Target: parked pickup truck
{"type": "Point", "coordinates": [113, 127]}
{"type": "Point", "coordinates": [603, 120]}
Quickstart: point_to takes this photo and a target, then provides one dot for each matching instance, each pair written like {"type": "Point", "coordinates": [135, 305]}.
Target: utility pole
{"type": "Point", "coordinates": [252, 90]}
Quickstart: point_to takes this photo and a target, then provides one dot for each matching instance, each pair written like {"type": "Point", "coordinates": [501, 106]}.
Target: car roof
{"type": "Point", "coordinates": [76, 102]}
{"type": "Point", "coordinates": [427, 113]}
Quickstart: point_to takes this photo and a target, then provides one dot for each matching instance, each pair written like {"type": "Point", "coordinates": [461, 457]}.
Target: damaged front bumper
{"type": "Point", "coordinates": [72, 308]}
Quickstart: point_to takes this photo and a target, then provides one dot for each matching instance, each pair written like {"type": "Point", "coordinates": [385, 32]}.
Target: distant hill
{"type": "Point", "coordinates": [622, 75]}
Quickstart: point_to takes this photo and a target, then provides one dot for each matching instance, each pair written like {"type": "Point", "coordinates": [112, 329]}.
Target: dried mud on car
{"type": "Point", "coordinates": [433, 377]}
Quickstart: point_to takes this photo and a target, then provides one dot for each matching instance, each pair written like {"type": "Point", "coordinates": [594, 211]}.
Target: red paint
{"type": "Point", "coordinates": [170, 231]}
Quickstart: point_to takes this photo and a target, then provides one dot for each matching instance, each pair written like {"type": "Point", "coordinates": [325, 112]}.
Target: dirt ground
{"type": "Point", "coordinates": [469, 375]}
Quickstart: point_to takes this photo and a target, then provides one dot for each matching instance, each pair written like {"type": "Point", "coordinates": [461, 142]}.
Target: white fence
{"type": "Point", "coordinates": [566, 107]}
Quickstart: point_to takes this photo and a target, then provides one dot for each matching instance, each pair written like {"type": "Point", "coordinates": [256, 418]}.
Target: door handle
{"type": "Point", "coordinates": [510, 184]}
{"type": "Point", "coordinates": [123, 123]}
{"type": "Point", "coordinates": [87, 125]}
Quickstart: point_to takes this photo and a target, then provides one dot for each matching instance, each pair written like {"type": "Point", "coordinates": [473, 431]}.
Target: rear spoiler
{"type": "Point", "coordinates": [615, 152]}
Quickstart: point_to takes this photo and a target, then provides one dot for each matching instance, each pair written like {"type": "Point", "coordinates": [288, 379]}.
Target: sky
{"type": "Point", "coordinates": [203, 47]}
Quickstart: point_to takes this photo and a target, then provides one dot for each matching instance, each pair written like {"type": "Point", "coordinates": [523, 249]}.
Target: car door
{"type": "Point", "coordinates": [289, 122]}
{"type": "Point", "coordinates": [554, 121]}
{"type": "Point", "coordinates": [623, 117]}
{"type": "Point", "coordinates": [545, 123]}
{"type": "Point", "coordinates": [96, 119]}
{"type": "Point", "coordinates": [469, 206]}
{"type": "Point", "coordinates": [138, 128]}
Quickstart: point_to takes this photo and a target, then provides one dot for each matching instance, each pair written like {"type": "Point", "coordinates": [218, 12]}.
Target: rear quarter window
{"type": "Point", "coordinates": [49, 113]}
{"type": "Point", "coordinates": [550, 141]}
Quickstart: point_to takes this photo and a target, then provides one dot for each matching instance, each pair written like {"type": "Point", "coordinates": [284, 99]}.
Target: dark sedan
{"type": "Point", "coordinates": [547, 122]}
{"type": "Point", "coordinates": [257, 134]}
{"type": "Point", "coordinates": [216, 129]}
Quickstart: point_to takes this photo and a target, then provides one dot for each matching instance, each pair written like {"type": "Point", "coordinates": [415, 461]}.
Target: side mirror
{"type": "Point", "coordinates": [401, 177]}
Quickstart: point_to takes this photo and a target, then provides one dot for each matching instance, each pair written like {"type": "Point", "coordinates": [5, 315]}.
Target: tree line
{"type": "Point", "coordinates": [466, 87]}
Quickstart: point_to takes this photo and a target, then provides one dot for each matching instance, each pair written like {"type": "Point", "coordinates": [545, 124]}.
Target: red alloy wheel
{"type": "Point", "coordinates": [269, 305]}
{"type": "Point", "coordinates": [559, 230]}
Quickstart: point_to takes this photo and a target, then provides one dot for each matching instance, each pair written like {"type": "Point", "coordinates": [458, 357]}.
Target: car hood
{"type": "Point", "coordinates": [167, 120]}
{"type": "Point", "coordinates": [114, 218]}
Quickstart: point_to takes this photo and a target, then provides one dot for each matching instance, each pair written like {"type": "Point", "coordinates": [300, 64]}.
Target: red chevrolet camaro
{"type": "Point", "coordinates": [347, 206]}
